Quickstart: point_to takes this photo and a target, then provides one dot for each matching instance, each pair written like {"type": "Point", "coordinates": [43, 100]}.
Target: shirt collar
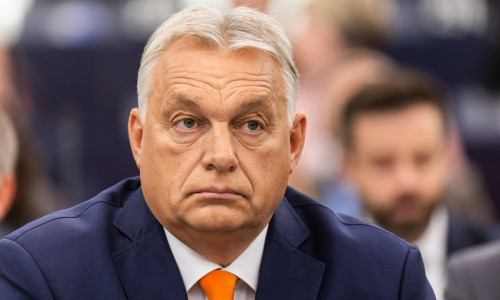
{"type": "Point", "coordinates": [193, 266]}
{"type": "Point", "coordinates": [432, 242]}
{"type": "Point", "coordinates": [432, 245]}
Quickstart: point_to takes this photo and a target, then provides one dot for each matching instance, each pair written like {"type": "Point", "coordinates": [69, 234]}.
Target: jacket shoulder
{"type": "Point", "coordinates": [361, 259]}
{"type": "Point", "coordinates": [112, 197]}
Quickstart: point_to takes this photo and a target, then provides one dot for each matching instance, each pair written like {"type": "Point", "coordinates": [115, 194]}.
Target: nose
{"type": "Point", "coordinates": [219, 154]}
{"type": "Point", "coordinates": [407, 177]}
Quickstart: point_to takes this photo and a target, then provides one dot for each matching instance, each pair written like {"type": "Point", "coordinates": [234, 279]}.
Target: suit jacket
{"type": "Point", "coordinates": [112, 247]}
{"type": "Point", "coordinates": [474, 274]}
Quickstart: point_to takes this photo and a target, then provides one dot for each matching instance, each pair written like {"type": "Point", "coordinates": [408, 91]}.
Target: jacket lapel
{"type": "Point", "coordinates": [286, 272]}
{"type": "Point", "coordinates": [145, 265]}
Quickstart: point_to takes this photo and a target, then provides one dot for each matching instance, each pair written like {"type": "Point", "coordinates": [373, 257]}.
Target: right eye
{"type": "Point", "coordinates": [186, 124]}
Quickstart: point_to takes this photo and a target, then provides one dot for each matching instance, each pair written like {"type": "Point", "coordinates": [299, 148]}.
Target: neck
{"type": "Point", "coordinates": [411, 235]}
{"type": "Point", "coordinates": [220, 247]}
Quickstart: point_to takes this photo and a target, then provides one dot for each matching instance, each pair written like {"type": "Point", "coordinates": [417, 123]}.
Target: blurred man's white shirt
{"type": "Point", "coordinates": [433, 246]}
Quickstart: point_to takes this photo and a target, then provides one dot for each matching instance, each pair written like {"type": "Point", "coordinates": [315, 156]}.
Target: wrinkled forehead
{"type": "Point", "coordinates": [186, 44]}
{"type": "Point", "coordinates": [215, 67]}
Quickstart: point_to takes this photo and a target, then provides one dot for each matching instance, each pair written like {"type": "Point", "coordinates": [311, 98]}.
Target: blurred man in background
{"type": "Point", "coordinates": [8, 157]}
{"type": "Point", "coordinates": [398, 154]}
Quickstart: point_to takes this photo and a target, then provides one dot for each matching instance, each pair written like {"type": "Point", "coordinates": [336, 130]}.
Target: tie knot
{"type": "Point", "coordinates": [218, 285]}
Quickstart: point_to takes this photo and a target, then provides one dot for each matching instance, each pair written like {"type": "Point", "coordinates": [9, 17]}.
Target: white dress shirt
{"type": "Point", "coordinates": [432, 244]}
{"type": "Point", "coordinates": [193, 267]}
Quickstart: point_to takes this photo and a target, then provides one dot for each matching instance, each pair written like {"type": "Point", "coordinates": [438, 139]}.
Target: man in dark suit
{"type": "Point", "coordinates": [396, 135]}
{"type": "Point", "coordinates": [215, 138]}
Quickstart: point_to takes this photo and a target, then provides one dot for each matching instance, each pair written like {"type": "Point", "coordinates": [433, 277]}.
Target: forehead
{"type": "Point", "coordinates": [189, 63]}
{"type": "Point", "coordinates": [415, 127]}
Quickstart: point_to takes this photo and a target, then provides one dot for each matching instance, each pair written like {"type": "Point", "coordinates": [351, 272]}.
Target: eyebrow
{"type": "Point", "coordinates": [185, 101]}
{"type": "Point", "coordinates": [247, 104]}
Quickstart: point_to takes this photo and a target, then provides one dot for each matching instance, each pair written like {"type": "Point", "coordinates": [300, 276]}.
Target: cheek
{"type": "Point", "coordinates": [164, 169]}
{"type": "Point", "coordinates": [267, 169]}
{"type": "Point", "coordinates": [165, 157]}
{"type": "Point", "coordinates": [378, 195]}
{"type": "Point", "coordinates": [279, 159]}
{"type": "Point", "coordinates": [435, 182]}
{"type": "Point", "coordinates": [377, 191]}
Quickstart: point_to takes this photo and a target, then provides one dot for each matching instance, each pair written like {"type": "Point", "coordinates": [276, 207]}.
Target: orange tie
{"type": "Point", "coordinates": [218, 285]}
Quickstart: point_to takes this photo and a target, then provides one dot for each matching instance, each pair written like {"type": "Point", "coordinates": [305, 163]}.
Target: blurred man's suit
{"type": "Point", "coordinates": [112, 247]}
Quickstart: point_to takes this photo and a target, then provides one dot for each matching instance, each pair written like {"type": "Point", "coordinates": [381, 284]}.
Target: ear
{"type": "Point", "coordinates": [7, 193]}
{"type": "Point", "coordinates": [135, 130]}
{"type": "Point", "coordinates": [297, 138]}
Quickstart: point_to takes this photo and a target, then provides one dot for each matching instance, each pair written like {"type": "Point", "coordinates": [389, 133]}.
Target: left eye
{"type": "Point", "coordinates": [252, 126]}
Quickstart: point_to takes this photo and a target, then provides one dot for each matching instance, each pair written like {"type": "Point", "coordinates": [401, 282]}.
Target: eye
{"type": "Point", "coordinates": [422, 159]}
{"type": "Point", "coordinates": [186, 124]}
{"type": "Point", "coordinates": [252, 126]}
{"type": "Point", "coordinates": [382, 163]}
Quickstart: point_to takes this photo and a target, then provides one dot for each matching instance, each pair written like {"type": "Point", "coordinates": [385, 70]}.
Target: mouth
{"type": "Point", "coordinates": [221, 193]}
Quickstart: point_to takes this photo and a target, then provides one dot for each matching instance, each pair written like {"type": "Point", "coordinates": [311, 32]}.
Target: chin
{"type": "Point", "coordinates": [408, 220]}
{"type": "Point", "coordinates": [218, 226]}
{"type": "Point", "coordinates": [217, 221]}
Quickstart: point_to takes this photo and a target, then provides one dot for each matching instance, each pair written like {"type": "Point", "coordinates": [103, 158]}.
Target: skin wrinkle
{"type": "Point", "coordinates": [229, 85]}
{"type": "Point", "coordinates": [233, 91]}
{"type": "Point", "coordinates": [215, 84]}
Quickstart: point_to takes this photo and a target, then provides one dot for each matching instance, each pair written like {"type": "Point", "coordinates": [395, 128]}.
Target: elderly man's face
{"type": "Point", "coordinates": [215, 149]}
{"type": "Point", "coordinates": [399, 163]}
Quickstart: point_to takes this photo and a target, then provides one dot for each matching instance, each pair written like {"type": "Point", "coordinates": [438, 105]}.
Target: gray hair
{"type": "Point", "coordinates": [231, 29]}
{"type": "Point", "coordinates": [8, 144]}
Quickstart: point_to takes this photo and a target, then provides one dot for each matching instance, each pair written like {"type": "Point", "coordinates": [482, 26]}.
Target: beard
{"type": "Point", "coordinates": [407, 216]}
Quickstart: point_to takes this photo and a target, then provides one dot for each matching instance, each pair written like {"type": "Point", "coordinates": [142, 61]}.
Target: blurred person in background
{"type": "Point", "coordinates": [473, 273]}
{"type": "Point", "coordinates": [330, 31]}
{"type": "Point", "coordinates": [354, 70]}
{"type": "Point", "coordinates": [332, 28]}
{"type": "Point", "coordinates": [35, 194]}
{"type": "Point", "coordinates": [396, 136]}
{"type": "Point", "coordinates": [8, 158]}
